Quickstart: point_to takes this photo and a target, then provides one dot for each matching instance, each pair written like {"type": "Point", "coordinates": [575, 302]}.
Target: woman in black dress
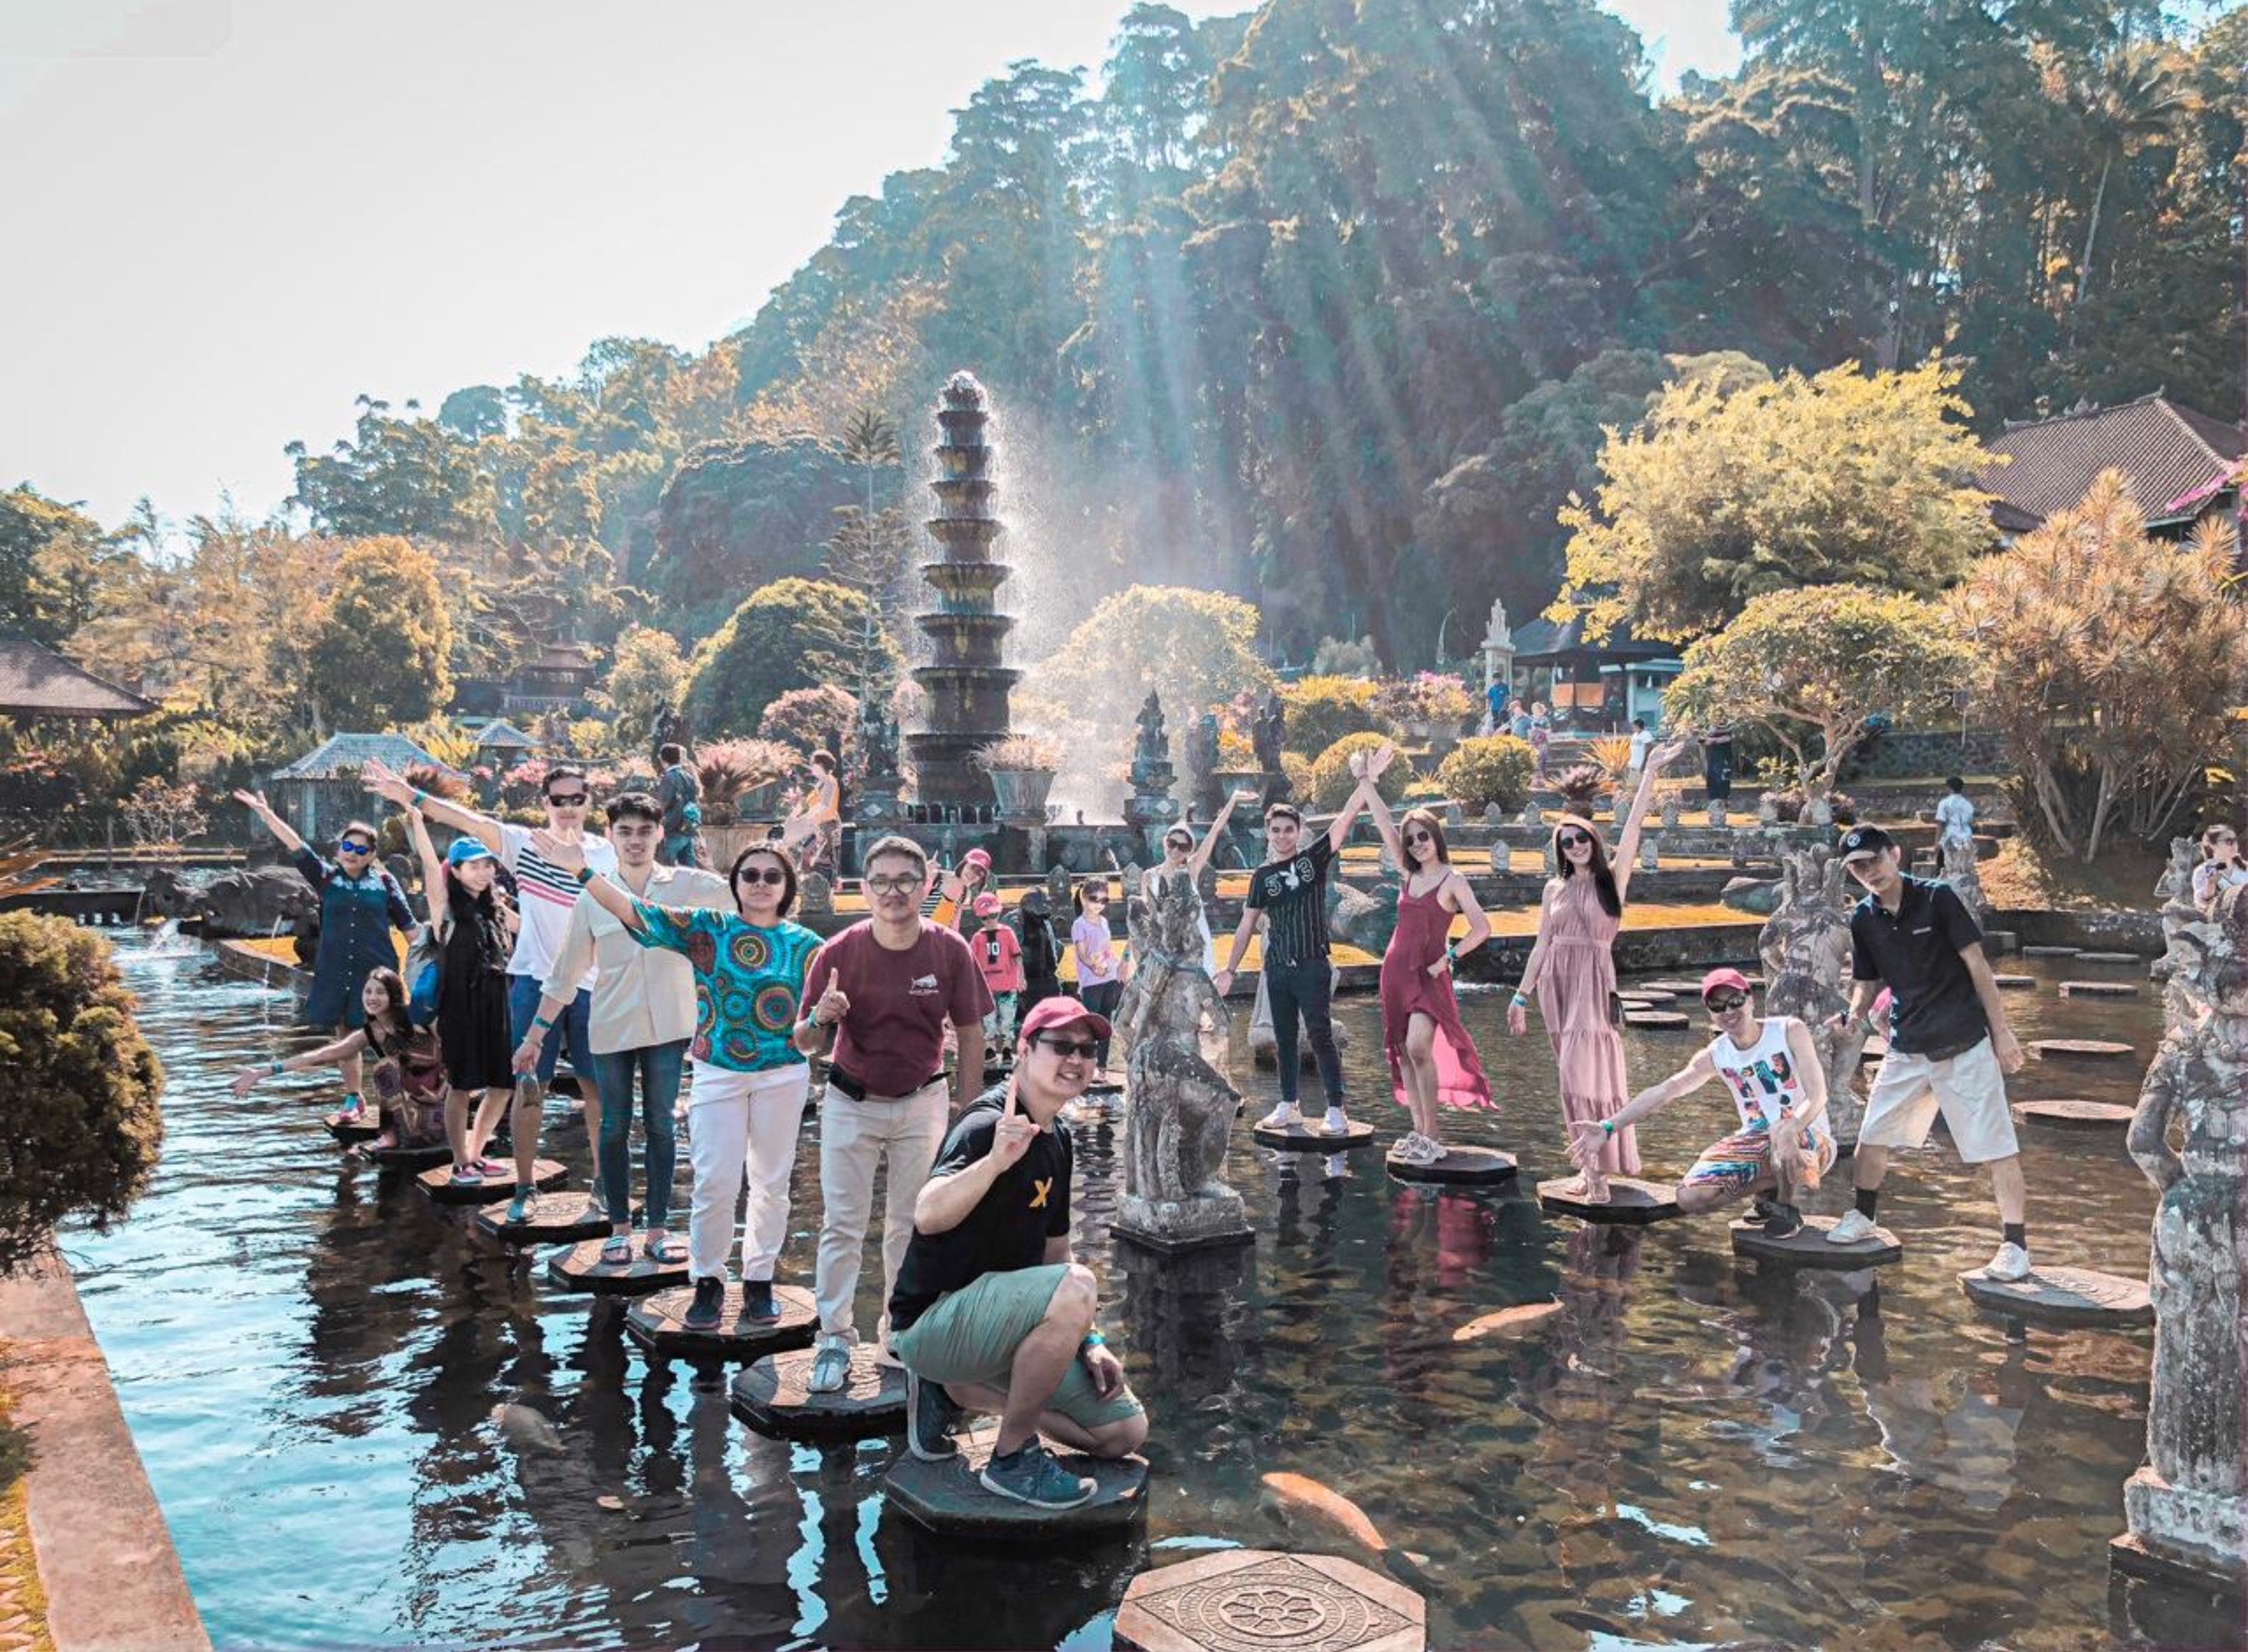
{"type": "Point", "coordinates": [475, 930]}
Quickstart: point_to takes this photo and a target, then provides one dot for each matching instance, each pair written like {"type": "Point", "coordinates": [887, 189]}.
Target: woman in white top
{"type": "Point", "coordinates": [1183, 856]}
{"type": "Point", "coordinates": [2220, 868]}
{"type": "Point", "coordinates": [1783, 1143]}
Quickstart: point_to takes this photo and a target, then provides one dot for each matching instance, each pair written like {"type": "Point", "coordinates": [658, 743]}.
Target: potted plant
{"type": "Point", "coordinates": [1237, 768]}
{"type": "Point", "coordinates": [742, 778]}
{"type": "Point", "coordinates": [1022, 768]}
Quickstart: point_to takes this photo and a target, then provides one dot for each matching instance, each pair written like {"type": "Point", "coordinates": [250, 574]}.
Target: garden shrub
{"type": "Point", "coordinates": [1487, 770]}
{"type": "Point", "coordinates": [1320, 710]}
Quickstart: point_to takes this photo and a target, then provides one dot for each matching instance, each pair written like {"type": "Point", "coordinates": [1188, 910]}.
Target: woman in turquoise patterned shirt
{"type": "Point", "coordinates": [750, 1081]}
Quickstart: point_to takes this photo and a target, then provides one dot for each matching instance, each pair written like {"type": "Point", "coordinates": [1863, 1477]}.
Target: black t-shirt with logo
{"type": "Point", "coordinates": [1934, 1010]}
{"type": "Point", "coordinates": [1293, 895]}
{"type": "Point", "coordinates": [1006, 1232]}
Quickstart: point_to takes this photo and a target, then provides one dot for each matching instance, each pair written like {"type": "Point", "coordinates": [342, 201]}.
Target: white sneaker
{"type": "Point", "coordinates": [1851, 1229]}
{"type": "Point", "coordinates": [2010, 1263]}
{"type": "Point", "coordinates": [1338, 1122]}
{"type": "Point", "coordinates": [1286, 1116]}
{"type": "Point", "coordinates": [830, 1366]}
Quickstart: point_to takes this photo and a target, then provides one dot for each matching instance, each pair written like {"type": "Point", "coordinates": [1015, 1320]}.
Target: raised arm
{"type": "Point", "coordinates": [1626, 854]}
{"type": "Point", "coordinates": [1385, 826]}
{"type": "Point", "coordinates": [1339, 828]}
{"type": "Point", "coordinates": [383, 781]}
{"type": "Point", "coordinates": [1208, 846]}
{"type": "Point", "coordinates": [284, 834]}
{"type": "Point", "coordinates": [610, 897]}
{"type": "Point", "coordinates": [433, 867]}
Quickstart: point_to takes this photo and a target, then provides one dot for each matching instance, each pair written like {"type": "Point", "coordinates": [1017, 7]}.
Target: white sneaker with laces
{"type": "Point", "coordinates": [1851, 1229]}
{"type": "Point", "coordinates": [2011, 1263]}
{"type": "Point", "coordinates": [1338, 1122]}
{"type": "Point", "coordinates": [1283, 1117]}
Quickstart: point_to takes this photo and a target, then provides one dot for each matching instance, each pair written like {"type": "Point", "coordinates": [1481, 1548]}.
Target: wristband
{"type": "Point", "coordinates": [274, 1071]}
{"type": "Point", "coordinates": [585, 875]}
{"type": "Point", "coordinates": [1607, 1127]}
{"type": "Point", "coordinates": [1092, 1339]}
{"type": "Point", "coordinates": [1521, 1000]}
{"type": "Point", "coordinates": [1451, 953]}
{"type": "Point", "coordinates": [420, 796]}
{"type": "Point", "coordinates": [539, 1023]}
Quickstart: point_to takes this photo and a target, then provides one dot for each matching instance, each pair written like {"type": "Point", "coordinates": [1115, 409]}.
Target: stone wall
{"type": "Point", "coordinates": [1903, 753]}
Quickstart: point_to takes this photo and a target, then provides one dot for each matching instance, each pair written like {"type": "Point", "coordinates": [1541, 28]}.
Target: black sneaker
{"type": "Point", "coordinates": [702, 1312]}
{"type": "Point", "coordinates": [1032, 1476]}
{"type": "Point", "coordinates": [1763, 1208]}
{"type": "Point", "coordinates": [929, 1412]}
{"type": "Point", "coordinates": [757, 1304]}
{"type": "Point", "coordinates": [1784, 1222]}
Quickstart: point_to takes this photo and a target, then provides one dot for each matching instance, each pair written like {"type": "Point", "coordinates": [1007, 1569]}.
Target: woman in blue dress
{"type": "Point", "coordinates": [360, 904]}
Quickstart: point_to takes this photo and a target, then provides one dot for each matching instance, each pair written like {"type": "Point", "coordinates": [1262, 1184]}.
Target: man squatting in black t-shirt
{"type": "Point", "coordinates": [990, 1312]}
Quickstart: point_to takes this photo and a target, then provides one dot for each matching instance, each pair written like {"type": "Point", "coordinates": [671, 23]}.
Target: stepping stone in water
{"type": "Point", "coordinates": [2016, 982]}
{"type": "Point", "coordinates": [1808, 1248]}
{"type": "Point", "coordinates": [580, 1268]}
{"type": "Point", "coordinates": [2063, 1297]}
{"type": "Point", "coordinates": [2107, 1117]}
{"type": "Point", "coordinates": [365, 1128]}
{"type": "Point", "coordinates": [1632, 1203]}
{"type": "Point", "coordinates": [773, 1397]}
{"type": "Point", "coordinates": [1648, 995]}
{"type": "Point", "coordinates": [1658, 1020]}
{"type": "Point", "coordinates": [2049, 952]}
{"type": "Point", "coordinates": [659, 1323]}
{"type": "Point", "coordinates": [1683, 989]}
{"type": "Point", "coordinates": [408, 1158]}
{"type": "Point", "coordinates": [1462, 1166]}
{"type": "Point", "coordinates": [2099, 989]}
{"type": "Point", "coordinates": [948, 1499]}
{"type": "Point", "coordinates": [1256, 1600]}
{"type": "Point", "coordinates": [2081, 1050]}
{"type": "Point", "coordinates": [1304, 1138]}
{"type": "Point", "coordinates": [2110, 957]}
{"type": "Point", "coordinates": [438, 1182]}
{"type": "Point", "coordinates": [554, 1217]}
{"type": "Point", "coordinates": [1107, 1086]}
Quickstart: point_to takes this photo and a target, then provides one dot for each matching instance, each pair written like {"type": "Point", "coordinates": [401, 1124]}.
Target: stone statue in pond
{"type": "Point", "coordinates": [1268, 733]}
{"type": "Point", "coordinates": [1155, 744]}
{"type": "Point", "coordinates": [1178, 1107]}
{"type": "Point", "coordinates": [1805, 948]}
{"type": "Point", "coordinates": [2190, 1504]}
{"type": "Point", "coordinates": [1958, 868]}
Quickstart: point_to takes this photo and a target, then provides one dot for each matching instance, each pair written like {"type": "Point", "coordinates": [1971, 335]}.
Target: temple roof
{"type": "Point", "coordinates": [339, 752]}
{"type": "Point", "coordinates": [2171, 455]}
{"type": "Point", "coordinates": [36, 681]}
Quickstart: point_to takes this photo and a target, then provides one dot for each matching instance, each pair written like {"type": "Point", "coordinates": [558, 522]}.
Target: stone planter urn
{"type": "Point", "coordinates": [1021, 792]}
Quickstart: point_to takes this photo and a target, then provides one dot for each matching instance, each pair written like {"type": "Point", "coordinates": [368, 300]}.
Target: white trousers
{"type": "Point", "coordinates": [854, 1137]}
{"type": "Point", "coordinates": [740, 1121]}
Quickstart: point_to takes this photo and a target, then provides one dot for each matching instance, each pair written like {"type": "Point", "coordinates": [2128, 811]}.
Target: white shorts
{"type": "Point", "coordinates": [1969, 1087]}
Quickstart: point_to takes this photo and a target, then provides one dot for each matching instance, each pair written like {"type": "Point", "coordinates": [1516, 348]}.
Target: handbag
{"type": "Point", "coordinates": [425, 958]}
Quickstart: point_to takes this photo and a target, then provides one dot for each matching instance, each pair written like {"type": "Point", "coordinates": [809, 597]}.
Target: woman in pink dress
{"type": "Point", "coordinates": [1572, 974]}
{"type": "Point", "coordinates": [1432, 1061]}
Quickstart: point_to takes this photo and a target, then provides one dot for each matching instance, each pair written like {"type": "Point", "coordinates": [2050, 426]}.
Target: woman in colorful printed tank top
{"type": "Point", "coordinates": [1784, 1144]}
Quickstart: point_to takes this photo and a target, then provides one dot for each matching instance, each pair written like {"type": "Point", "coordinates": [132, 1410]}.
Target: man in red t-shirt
{"type": "Point", "coordinates": [888, 988]}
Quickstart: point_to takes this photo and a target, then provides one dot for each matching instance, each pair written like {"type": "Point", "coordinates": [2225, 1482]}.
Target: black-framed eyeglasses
{"type": "Point", "coordinates": [568, 799]}
{"type": "Point", "coordinates": [352, 846]}
{"type": "Point", "coordinates": [894, 886]}
{"type": "Point", "coordinates": [1726, 1003]}
{"type": "Point", "coordinates": [770, 874]}
{"type": "Point", "coordinates": [1083, 1049]}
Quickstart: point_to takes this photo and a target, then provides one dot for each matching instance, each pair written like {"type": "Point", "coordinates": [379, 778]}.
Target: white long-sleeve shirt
{"type": "Point", "coordinates": [641, 995]}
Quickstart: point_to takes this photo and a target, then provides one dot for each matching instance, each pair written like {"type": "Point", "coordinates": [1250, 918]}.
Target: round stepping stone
{"type": "Point", "coordinates": [1808, 1247]}
{"type": "Point", "coordinates": [554, 1217]}
{"type": "Point", "coordinates": [659, 1323]}
{"type": "Point", "coordinates": [1658, 1020]}
{"type": "Point", "coordinates": [351, 1132]}
{"type": "Point", "coordinates": [1304, 1138]}
{"type": "Point", "coordinates": [2108, 1117]}
{"type": "Point", "coordinates": [2063, 1297]}
{"type": "Point", "coordinates": [2109, 957]}
{"type": "Point", "coordinates": [580, 1268]}
{"type": "Point", "coordinates": [1631, 1201]}
{"type": "Point", "coordinates": [1683, 989]}
{"type": "Point", "coordinates": [2081, 1050]}
{"type": "Point", "coordinates": [1462, 1166]}
{"type": "Point", "coordinates": [2049, 952]}
{"type": "Point", "coordinates": [408, 1158]}
{"type": "Point", "coordinates": [438, 1182]}
{"type": "Point", "coordinates": [2099, 989]}
{"type": "Point", "coordinates": [1257, 1601]}
{"type": "Point", "coordinates": [948, 1499]}
{"type": "Point", "coordinates": [1648, 995]}
{"type": "Point", "coordinates": [773, 1397]}
{"type": "Point", "coordinates": [2016, 983]}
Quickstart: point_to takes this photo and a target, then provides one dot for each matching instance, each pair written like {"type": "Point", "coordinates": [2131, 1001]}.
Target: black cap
{"type": "Point", "coordinates": [1862, 843]}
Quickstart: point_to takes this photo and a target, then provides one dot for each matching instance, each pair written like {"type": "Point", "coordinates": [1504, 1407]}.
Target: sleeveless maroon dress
{"type": "Point", "coordinates": [1423, 926]}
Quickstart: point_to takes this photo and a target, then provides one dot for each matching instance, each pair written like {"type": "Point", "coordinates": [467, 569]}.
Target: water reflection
{"type": "Point", "coordinates": [1693, 1450]}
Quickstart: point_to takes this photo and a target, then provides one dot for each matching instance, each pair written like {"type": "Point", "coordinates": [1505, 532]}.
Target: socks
{"type": "Point", "coordinates": [1866, 1199]}
{"type": "Point", "coordinates": [2017, 1233]}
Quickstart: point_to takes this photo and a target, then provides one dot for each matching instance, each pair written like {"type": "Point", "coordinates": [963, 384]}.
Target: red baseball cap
{"type": "Point", "coordinates": [987, 905]}
{"type": "Point", "coordinates": [1061, 1012]}
{"type": "Point", "coordinates": [976, 858]}
{"type": "Point", "coordinates": [1726, 977]}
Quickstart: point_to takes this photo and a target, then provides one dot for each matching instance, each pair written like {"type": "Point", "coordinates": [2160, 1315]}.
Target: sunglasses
{"type": "Point", "coordinates": [1096, 900]}
{"type": "Point", "coordinates": [1571, 839]}
{"type": "Point", "coordinates": [1083, 1049]}
{"type": "Point", "coordinates": [2225, 837]}
{"type": "Point", "coordinates": [352, 846]}
{"type": "Point", "coordinates": [1418, 837]}
{"type": "Point", "coordinates": [567, 800]}
{"type": "Point", "coordinates": [1726, 1003]}
{"type": "Point", "coordinates": [770, 874]}
{"type": "Point", "coordinates": [894, 886]}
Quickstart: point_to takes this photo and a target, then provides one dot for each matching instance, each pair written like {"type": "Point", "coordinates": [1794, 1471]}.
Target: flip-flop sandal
{"type": "Point", "coordinates": [667, 1250]}
{"type": "Point", "coordinates": [616, 1251]}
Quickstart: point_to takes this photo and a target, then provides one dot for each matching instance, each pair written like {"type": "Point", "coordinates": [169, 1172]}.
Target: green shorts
{"type": "Point", "coordinates": [971, 1335]}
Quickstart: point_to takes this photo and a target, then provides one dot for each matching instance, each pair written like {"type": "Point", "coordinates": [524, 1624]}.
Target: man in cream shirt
{"type": "Point", "coordinates": [643, 1017]}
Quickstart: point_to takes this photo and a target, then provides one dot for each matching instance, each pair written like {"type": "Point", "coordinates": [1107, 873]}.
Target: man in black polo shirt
{"type": "Point", "coordinates": [1291, 890]}
{"type": "Point", "coordinates": [989, 1312]}
{"type": "Point", "coordinates": [1950, 1045]}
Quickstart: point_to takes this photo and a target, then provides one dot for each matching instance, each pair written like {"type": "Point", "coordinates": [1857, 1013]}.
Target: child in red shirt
{"type": "Point", "coordinates": [999, 955]}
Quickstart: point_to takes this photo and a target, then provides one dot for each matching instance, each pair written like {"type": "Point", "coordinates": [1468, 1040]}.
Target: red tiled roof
{"type": "Point", "coordinates": [2166, 450]}
{"type": "Point", "coordinates": [36, 681]}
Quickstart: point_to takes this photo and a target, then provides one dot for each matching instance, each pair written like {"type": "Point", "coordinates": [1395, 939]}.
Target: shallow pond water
{"type": "Point", "coordinates": [1693, 1452]}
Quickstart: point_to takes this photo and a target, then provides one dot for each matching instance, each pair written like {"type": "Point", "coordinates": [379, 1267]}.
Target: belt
{"type": "Point", "coordinates": [857, 1091]}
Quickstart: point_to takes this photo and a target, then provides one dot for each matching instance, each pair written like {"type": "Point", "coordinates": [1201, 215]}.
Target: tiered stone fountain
{"type": "Point", "coordinates": [966, 684]}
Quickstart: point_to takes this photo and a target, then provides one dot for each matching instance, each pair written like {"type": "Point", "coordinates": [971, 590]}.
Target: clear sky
{"type": "Point", "coordinates": [231, 216]}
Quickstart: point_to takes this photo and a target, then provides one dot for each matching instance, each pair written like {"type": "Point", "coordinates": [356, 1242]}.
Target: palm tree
{"type": "Point", "coordinates": [2137, 96]}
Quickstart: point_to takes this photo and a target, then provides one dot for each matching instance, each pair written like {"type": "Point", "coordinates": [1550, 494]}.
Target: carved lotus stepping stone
{"type": "Point", "coordinates": [2016, 982]}
{"type": "Point", "coordinates": [948, 1499]}
{"type": "Point", "coordinates": [2109, 957]}
{"type": "Point", "coordinates": [350, 1131]}
{"type": "Point", "coordinates": [2107, 1118]}
{"type": "Point", "coordinates": [2081, 1050]}
{"type": "Point", "coordinates": [2049, 952]}
{"type": "Point", "coordinates": [2099, 989]}
{"type": "Point", "coordinates": [580, 1268]}
{"type": "Point", "coordinates": [1808, 1248]}
{"type": "Point", "coordinates": [659, 1322]}
{"type": "Point", "coordinates": [2063, 1297]}
{"type": "Point", "coordinates": [774, 1396]}
{"type": "Point", "coordinates": [1631, 1201]}
{"type": "Point", "coordinates": [1255, 1600]}
{"type": "Point", "coordinates": [1462, 1166]}
{"type": "Point", "coordinates": [413, 1158]}
{"type": "Point", "coordinates": [438, 1182]}
{"type": "Point", "coordinates": [554, 1217]}
{"type": "Point", "coordinates": [1658, 1020]}
{"type": "Point", "coordinates": [1307, 1137]}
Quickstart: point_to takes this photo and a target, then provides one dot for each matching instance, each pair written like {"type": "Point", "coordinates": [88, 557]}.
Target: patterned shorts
{"type": "Point", "coordinates": [1744, 1159]}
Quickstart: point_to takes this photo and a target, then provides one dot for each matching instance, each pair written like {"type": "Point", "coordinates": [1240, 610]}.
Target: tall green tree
{"type": "Point", "coordinates": [381, 654]}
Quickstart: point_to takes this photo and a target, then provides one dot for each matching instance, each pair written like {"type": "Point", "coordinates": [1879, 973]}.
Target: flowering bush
{"type": "Point", "coordinates": [521, 784]}
{"type": "Point", "coordinates": [1434, 697]}
{"type": "Point", "coordinates": [809, 718]}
